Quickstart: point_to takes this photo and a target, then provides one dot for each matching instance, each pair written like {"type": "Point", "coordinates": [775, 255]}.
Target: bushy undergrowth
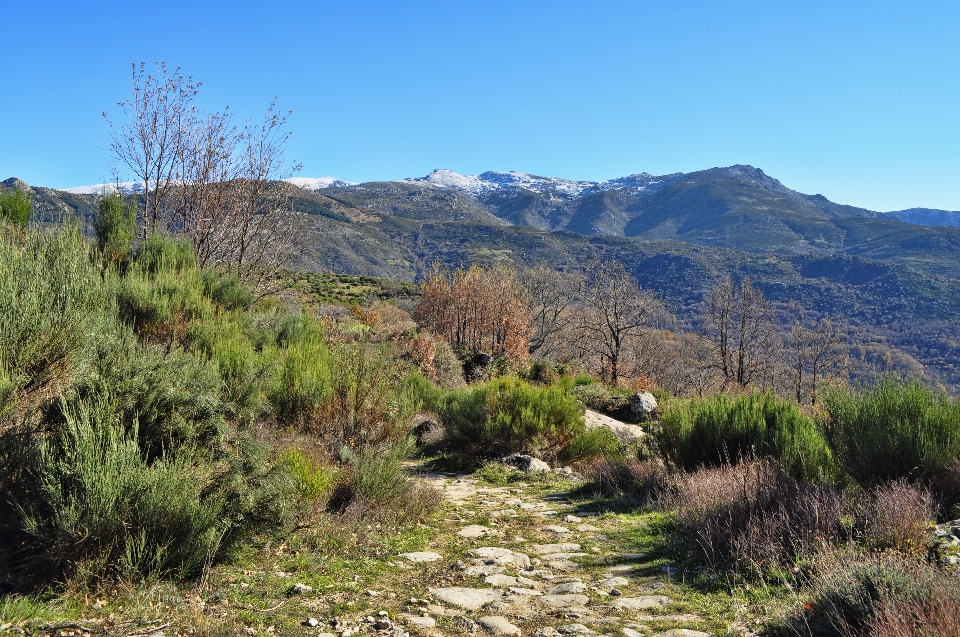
{"type": "Point", "coordinates": [508, 415]}
{"type": "Point", "coordinates": [893, 431]}
{"type": "Point", "coordinates": [723, 429]}
{"type": "Point", "coordinates": [879, 595]}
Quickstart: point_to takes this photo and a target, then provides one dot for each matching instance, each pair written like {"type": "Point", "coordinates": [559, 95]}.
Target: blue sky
{"type": "Point", "coordinates": [859, 101]}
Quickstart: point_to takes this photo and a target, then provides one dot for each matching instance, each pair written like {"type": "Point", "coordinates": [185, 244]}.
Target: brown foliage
{"type": "Point", "coordinates": [478, 310]}
{"type": "Point", "coordinates": [895, 516]}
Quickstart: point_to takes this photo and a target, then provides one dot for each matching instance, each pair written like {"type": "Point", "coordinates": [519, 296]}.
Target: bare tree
{"type": "Point", "coordinates": [150, 144]}
{"type": "Point", "coordinates": [612, 309]}
{"type": "Point", "coordinates": [815, 352]}
{"type": "Point", "coordinates": [551, 295]}
{"type": "Point", "coordinates": [203, 176]}
{"type": "Point", "coordinates": [743, 328]}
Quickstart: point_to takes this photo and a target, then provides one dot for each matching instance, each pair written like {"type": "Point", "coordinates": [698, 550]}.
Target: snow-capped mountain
{"type": "Point", "coordinates": [319, 183]}
{"type": "Point", "coordinates": [495, 181]}
{"type": "Point", "coordinates": [125, 187]}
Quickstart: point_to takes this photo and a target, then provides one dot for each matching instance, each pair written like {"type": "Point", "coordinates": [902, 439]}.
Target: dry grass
{"type": "Point", "coordinates": [640, 480]}
{"type": "Point", "coordinates": [896, 516]}
{"type": "Point", "coordinates": [752, 517]}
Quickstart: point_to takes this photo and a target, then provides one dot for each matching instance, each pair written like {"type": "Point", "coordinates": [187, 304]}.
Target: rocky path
{"type": "Point", "coordinates": [517, 560]}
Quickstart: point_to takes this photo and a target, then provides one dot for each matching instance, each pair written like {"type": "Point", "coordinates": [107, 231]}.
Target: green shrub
{"type": "Point", "coordinates": [374, 487]}
{"type": "Point", "coordinates": [15, 206]}
{"type": "Point", "coordinates": [313, 479]}
{"type": "Point", "coordinates": [722, 429]}
{"type": "Point", "coordinates": [160, 253]}
{"type": "Point", "coordinates": [51, 301]}
{"type": "Point", "coordinates": [894, 431]}
{"type": "Point", "coordinates": [347, 395]}
{"type": "Point", "coordinates": [612, 401]}
{"type": "Point", "coordinates": [884, 594]}
{"type": "Point", "coordinates": [115, 225]}
{"type": "Point", "coordinates": [506, 415]}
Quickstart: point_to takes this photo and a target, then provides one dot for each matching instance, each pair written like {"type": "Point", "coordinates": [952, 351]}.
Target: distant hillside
{"type": "Point", "coordinates": [928, 217]}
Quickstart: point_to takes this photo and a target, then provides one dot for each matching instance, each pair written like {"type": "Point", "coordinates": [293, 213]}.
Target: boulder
{"type": "Point", "coordinates": [644, 405]}
{"type": "Point", "coordinates": [525, 463]}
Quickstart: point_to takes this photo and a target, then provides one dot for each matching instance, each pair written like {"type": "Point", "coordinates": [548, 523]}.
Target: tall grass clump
{"type": "Point", "coordinates": [896, 430]}
{"type": "Point", "coordinates": [506, 415]}
{"type": "Point", "coordinates": [52, 300]}
{"type": "Point", "coordinates": [722, 429]}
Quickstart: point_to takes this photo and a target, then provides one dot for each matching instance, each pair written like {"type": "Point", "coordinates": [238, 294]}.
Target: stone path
{"type": "Point", "coordinates": [528, 564]}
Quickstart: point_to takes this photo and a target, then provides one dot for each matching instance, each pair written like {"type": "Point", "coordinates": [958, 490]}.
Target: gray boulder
{"type": "Point", "coordinates": [644, 405]}
{"type": "Point", "coordinates": [525, 463]}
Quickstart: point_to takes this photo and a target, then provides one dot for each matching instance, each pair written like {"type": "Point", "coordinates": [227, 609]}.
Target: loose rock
{"type": "Point", "coordinates": [469, 598]}
{"type": "Point", "coordinates": [498, 625]}
{"type": "Point", "coordinates": [422, 556]}
{"type": "Point", "coordinates": [642, 603]}
{"type": "Point", "coordinates": [563, 601]}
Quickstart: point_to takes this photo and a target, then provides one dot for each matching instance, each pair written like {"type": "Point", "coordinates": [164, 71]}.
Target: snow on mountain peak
{"type": "Point", "coordinates": [494, 181]}
{"type": "Point", "coordinates": [318, 183]}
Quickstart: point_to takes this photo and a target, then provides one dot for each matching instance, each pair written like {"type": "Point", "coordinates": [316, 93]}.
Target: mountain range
{"type": "Point", "coordinates": [893, 279]}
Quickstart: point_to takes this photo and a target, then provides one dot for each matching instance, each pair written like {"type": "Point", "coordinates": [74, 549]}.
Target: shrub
{"type": "Point", "coordinates": [313, 478]}
{"type": "Point", "coordinates": [374, 488]}
{"type": "Point", "coordinates": [163, 253]}
{"type": "Point", "coordinates": [346, 395]}
{"type": "Point", "coordinates": [85, 496]}
{"type": "Point", "coordinates": [893, 431]}
{"type": "Point", "coordinates": [506, 415]}
{"type": "Point", "coordinates": [15, 206]}
{"type": "Point", "coordinates": [884, 594]}
{"type": "Point", "coordinates": [897, 516]}
{"type": "Point", "coordinates": [641, 480]}
{"type": "Point", "coordinates": [752, 518]}
{"type": "Point", "coordinates": [51, 301]}
{"type": "Point", "coordinates": [115, 225]}
{"type": "Point", "coordinates": [722, 429]}
{"type": "Point", "coordinates": [612, 401]}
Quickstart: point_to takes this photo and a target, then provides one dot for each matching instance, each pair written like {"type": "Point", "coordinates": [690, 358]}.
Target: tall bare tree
{"type": "Point", "coordinates": [815, 352]}
{"type": "Point", "coordinates": [204, 176]}
{"type": "Point", "coordinates": [150, 143]}
{"type": "Point", "coordinates": [551, 295]}
{"type": "Point", "coordinates": [743, 327]}
{"type": "Point", "coordinates": [612, 309]}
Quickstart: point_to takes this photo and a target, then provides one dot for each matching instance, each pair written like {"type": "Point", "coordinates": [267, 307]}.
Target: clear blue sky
{"type": "Point", "coordinates": [859, 101]}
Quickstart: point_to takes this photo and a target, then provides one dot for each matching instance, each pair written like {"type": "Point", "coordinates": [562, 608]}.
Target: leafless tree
{"type": "Point", "coordinates": [207, 178]}
{"type": "Point", "coordinates": [815, 352]}
{"type": "Point", "coordinates": [743, 327]}
{"type": "Point", "coordinates": [612, 309]}
{"type": "Point", "coordinates": [152, 140]}
{"type": "Point", "coordinates": [551, 295]}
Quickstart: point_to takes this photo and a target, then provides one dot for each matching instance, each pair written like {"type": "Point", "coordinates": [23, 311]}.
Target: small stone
{"type": "Point", "coordinates": [373, 593]}
{"type": "Point", "coordinates": [556, 528]}
{"type": "Point", "coordinates": [564, 547]}
{"type": "Point", "coordinates": [643, 602]}
{"type": "Point", "coordinates": [616, 592]}
{"type": "Point", "coordinates": [312, 622]}
{"type": "Point", "coordinates": [546, 631]}
{"type": "Point", "coordinates": [530, 592]}
{"type": "Point", "coordinates": [563, 601]}
{"type": "Point", "coordinates": [568, 588]}
{"type": "Point", "coordinates": [382, 624]}
{"type": "Point", "coordinates": [421, 622]}
{"type": "Point", "coordinates": [498, 625]}
{"type": "Point", "coordinates": [574, 629]}
{"type": "Point", "coordinates": [563, 565]}
{"type": "Point", "coordinates": [525, 462]}
{"type": "Point", "coordinates": [300, 589]}
{"type": "Point", "coordinates": [422, 556]}
{"type": "Point", "coordinates": [383, 613]}
{"type": "Point", "coordinates": [475, 530]}
{"type": "Point", "coordinates": [571, 519]}
{"type": "Point", "coordinates": [469, 598]}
